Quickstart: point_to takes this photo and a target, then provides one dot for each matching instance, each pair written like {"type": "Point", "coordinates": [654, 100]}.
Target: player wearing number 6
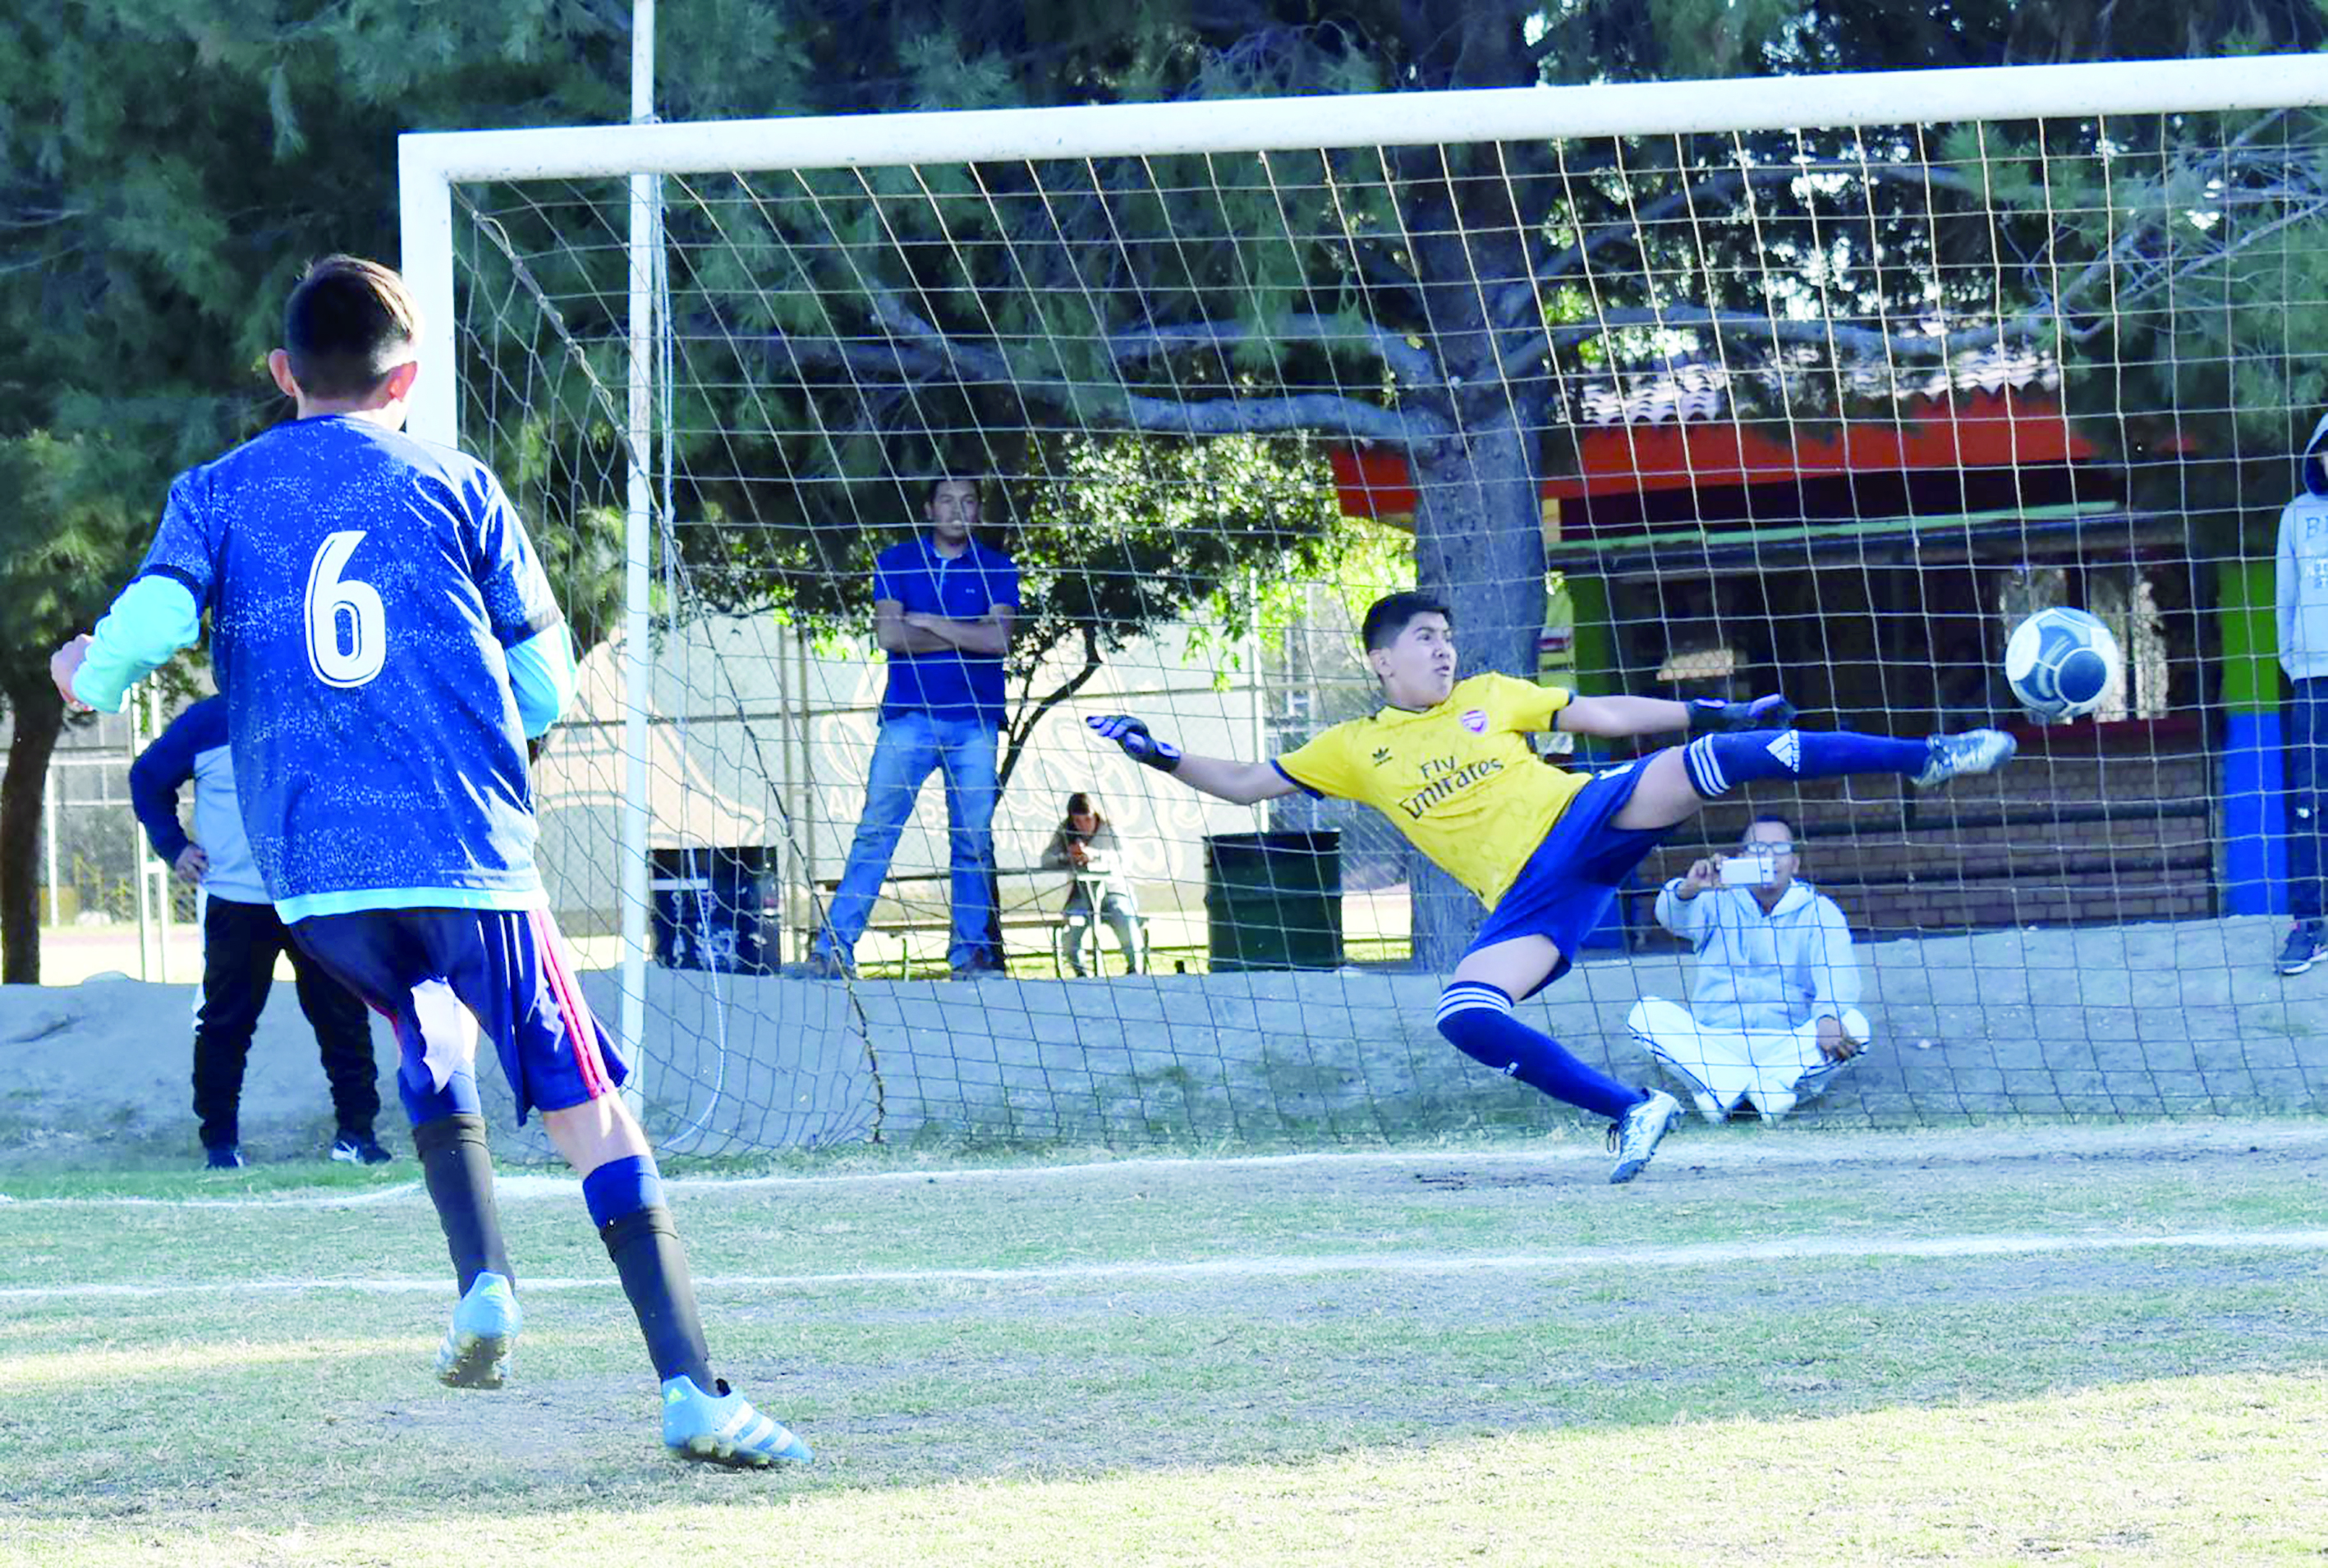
{"type": "Point", "coordinates": [386, 642]}
{"type": "Point", "coordinates": [1448, 764]}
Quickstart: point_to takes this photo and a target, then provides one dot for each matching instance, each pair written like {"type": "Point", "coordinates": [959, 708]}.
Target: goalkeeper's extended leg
{"type": "Point", "coordinates": [1679, 780]}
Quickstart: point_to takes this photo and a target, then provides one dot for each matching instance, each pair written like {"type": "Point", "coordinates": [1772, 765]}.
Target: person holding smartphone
{"type": "Point", "coordinates": [1772, 1016]}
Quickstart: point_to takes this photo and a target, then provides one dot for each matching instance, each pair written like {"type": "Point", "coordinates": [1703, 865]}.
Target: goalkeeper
{"type": "Point", "coordinates": [1447, 761]}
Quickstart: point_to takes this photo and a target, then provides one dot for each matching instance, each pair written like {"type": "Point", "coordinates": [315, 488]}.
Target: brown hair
{"type": "Point", "coordinates": [348, 324]}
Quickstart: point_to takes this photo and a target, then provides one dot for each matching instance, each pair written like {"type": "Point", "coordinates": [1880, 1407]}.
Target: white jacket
{"type": "Point", "coordinates": [1755, 971]}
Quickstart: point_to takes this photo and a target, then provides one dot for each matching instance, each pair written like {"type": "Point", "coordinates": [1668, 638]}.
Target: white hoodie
{"type": "Point", "coordinates": [2302, 596]}
{"type": "Point", "coordinates": [1756, 971]}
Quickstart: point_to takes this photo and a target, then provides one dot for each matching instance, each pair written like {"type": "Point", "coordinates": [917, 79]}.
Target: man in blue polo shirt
{"type": "Point", "coordinates": [942, 610]}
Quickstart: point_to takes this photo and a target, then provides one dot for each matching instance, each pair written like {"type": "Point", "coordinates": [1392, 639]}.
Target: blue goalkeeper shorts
{"type": "Point", "coordinates": [1572, 879]}
{"type": "Point", "coordinates": [439, 976]}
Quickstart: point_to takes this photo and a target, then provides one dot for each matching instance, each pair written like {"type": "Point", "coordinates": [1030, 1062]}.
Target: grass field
{"type": "Point", "coordinates": [2012, 1345]}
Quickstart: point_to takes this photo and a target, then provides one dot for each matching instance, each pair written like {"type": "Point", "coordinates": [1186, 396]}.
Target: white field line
{"type": "Point", "coordinates": [1730, 1149]}
{"type": "Point", "coordinates": [1694, 1256]}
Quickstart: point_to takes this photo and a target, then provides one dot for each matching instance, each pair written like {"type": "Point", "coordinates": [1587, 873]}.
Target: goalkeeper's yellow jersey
{"type": "Point", "coordinates": [1459, 779]}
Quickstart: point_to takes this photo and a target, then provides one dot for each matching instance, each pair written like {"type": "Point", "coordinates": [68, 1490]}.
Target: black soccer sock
{"type": "Point", "coordinates": [653, 1262]}
{"type": "Point", "coordinates": [459, 1171]}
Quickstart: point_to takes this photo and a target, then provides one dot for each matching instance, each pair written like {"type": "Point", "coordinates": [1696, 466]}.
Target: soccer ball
{"type": "Point", "coordinates": [2060, 662]}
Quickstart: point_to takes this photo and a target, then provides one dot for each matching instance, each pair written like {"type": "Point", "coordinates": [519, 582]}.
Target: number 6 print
{"type": "Point", "coordinates": [360, 659]}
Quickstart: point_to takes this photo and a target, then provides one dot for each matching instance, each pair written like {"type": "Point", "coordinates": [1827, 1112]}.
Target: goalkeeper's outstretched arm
{"type": "Point", "coordinates": [1612, 718]}
{"type": "Point", "coordinates": [1240, 783]}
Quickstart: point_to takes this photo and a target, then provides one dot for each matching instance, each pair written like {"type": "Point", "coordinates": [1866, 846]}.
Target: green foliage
{"type": "Point", "coordinates": [166, 169]}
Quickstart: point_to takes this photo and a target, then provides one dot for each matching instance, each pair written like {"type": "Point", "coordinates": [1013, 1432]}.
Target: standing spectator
{"type": "Point", "coordinates": [240, 939]}
{"type": "Point", "coordinates": [1771, 1015]}
{"type": "Point", "coordinates": [941, 609]}
{"type": "Point", "coordinates": [1086, 844]}
{"type": "Point", "coordinates": [2302, 605]}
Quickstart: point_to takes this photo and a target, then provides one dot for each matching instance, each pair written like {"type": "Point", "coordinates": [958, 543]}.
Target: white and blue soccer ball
{"type": "Point", "coordinates": [2060, 662]}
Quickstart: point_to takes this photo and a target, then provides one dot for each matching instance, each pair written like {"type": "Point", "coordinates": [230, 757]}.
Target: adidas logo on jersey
{"type": "Point", "coordinates": [1788, 749]}
{"type": "Point", "coordinates": [1382, 755]}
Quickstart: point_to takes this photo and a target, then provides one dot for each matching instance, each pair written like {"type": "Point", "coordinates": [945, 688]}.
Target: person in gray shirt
{"type": "Point", "coordinates": [2302, 603]}
{"type": "Point", "coordinates": [1086, 845]}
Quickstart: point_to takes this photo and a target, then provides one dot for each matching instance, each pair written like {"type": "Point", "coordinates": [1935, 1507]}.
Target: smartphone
{"type": "Point", "coordinates": [1748, 871]}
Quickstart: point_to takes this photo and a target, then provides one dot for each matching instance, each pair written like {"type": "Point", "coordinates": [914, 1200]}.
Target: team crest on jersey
{"type": "Point", "coordinates": [1788, 749]}
{"type": "Point", "coordinates": [1475, 721]}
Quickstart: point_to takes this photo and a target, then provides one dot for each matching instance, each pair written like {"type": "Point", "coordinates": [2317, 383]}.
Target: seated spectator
{"type": "Point", "coordinates": [1086, 846]}
{"type": "Point", "coordinates": [1771, 1017]}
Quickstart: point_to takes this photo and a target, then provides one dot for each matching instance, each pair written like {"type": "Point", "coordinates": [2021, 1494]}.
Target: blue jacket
{"type": "Point", "coordinates": [194, 747]}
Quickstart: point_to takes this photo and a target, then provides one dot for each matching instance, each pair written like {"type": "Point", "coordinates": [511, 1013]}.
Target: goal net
{"type": "Point", "coordinates": [1702, 389]}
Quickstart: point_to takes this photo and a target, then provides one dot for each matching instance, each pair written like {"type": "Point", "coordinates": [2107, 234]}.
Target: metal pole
{"type": "Point", "coordinates": [638, 668]}
{"type": "Point", "coordinates": [49, 833]}
{"type": "Point", "coordinates": [129, 712]}
{"type": "Point", "coordinates": [154, 865]}
{"type": "Point", "coordinates": [1260, 693]}
{"type": "Point", "coordinates": [807, 793]}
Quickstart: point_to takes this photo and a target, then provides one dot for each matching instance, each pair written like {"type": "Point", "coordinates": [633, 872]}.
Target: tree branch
{"type": "Point", "coordinates": [1866, 340]}
{"type": "Point", "coordinates": [1326, 412]}
{"type": "Point", "coordinates": [1028, 720]}
{"type": "Point", "coordinates": [1414, 366]}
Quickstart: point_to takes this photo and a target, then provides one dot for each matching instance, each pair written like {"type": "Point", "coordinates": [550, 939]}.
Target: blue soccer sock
{"type": "Point", "coordinates": [626, 1200]}
{"type": "Point", "coordinates": [458, 1171]}
{"type": "Point", "coordinates": [1718, 764]}
{"type": "Point", "coordinates": [1477, 1019]}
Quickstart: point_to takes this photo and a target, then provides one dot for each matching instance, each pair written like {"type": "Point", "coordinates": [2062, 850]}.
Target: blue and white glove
{"type": "Point", "coordinates": [1138, 744]}
{"type": "Point", "coordinates": [1708, 716]}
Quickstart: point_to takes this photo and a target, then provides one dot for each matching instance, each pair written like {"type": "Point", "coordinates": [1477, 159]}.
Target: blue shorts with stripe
{"type": "Point", "coordinates": [1572, 878]}
{"type": "Point", "coordinates": [439, 975]}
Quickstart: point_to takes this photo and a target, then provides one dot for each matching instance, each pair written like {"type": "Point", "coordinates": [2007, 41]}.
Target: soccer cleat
{"type": "Point", "coordinates": [223, 1157]}
{"type": "Point", "coordinates": [723, 1428]}
{"type": "Point", "coordinates": [2303, 945]}
{"type": "Point", "coordinates": [476, 1353]}
{"type": "Point", "coordinates": [1633, 1138]}
{"type": "Point", "coordinates": [359, 1149]}
{"type": "Point", "coordinates": [1974, 751]}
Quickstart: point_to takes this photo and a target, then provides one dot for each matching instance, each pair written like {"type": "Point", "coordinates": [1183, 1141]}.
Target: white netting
{"type": "Point", "coordinates": [1826, 410]}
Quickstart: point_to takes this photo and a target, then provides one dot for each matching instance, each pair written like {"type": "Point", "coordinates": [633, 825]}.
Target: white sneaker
{"type": "Point", "coordinates": [1955, 756]}
{"type": "Point", "coordinates": [1634, 1137]}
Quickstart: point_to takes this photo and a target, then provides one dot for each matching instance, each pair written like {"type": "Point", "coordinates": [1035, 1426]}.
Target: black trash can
{"type": "Point", "coordinates": [711, 909]}
{"type": "Point", "coordinates": [1273, 900]}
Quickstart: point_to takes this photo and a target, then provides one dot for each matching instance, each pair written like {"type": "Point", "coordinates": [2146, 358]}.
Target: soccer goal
{"type": "Point", "coordinates": [1819, 385]}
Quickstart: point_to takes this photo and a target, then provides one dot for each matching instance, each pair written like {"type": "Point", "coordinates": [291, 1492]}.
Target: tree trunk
{"type": "Point", "coordinates": [1479, 543]}
{"type": "Point", "coordinates": [39, 715]}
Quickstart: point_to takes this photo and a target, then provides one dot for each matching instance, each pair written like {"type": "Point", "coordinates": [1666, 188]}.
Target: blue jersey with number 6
{"type": "Point", "coordinates": [363, 589]}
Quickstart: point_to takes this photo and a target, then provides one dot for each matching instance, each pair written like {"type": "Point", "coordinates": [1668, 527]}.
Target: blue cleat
{"type": "Point", "coordinates": [723, 1428]}
{"type": "Point", "coordinates": [476, 1353]}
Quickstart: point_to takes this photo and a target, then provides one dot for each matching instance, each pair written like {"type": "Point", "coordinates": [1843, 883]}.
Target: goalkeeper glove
{"type": "Point", "coordinates": [1710, 717]}
{"type": "Point", "coordinates": [1138, 744]}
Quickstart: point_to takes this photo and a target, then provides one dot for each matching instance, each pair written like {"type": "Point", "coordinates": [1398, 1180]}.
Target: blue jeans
{"type": "Point", "coordinates": [2304, 752]}
{"type": "Point", "coordinates": [910, 746]}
